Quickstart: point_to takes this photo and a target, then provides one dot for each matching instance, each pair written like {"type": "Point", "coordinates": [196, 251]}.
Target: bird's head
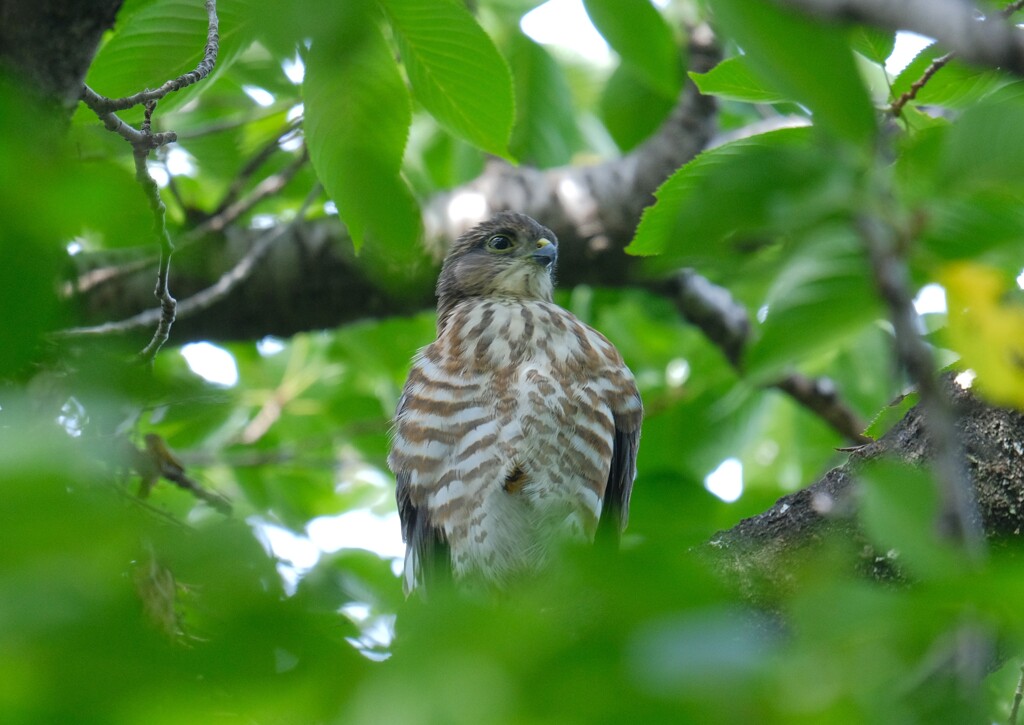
{"type": "Point", "coordinates": [509, 255]}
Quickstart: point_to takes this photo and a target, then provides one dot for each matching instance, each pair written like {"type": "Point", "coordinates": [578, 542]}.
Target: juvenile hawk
{"type": "Point", "coordinates": [518, 426]}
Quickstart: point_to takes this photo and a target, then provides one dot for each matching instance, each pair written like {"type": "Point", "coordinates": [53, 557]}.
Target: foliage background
{"type": "Point", "coordinates": [117, 609]}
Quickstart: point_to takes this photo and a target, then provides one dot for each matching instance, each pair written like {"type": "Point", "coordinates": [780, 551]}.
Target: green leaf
{"type": "Point", "coordinates": [899, 511]}
{"type": "Point", "coordinates": [545, 133]}
{"type": "Point", "coordinates": [806, 61]}
{"type": "Point", "coordinates": [630, 109]}
{"type": "Point", "coordinates": [455, 70]}
{"type": "Point", "coordinates": [734, 80]}
{"type": "Point", "coordinates": [872, 43]}
{"type": "Point", "coordinates": [984, 148]}
{"type": "Point", "coordinates": [158, 41]}
{"type": "Point", "coordinates": [854, 368]}
{"type": "Point", "coordinates": [891, 414]}
{"type": "Point", "coordinates": [822, 295]}
{"type": "Point", "coordinates": [435, 159]}
{"type": "Point", "coordinates": [357, 119]}
{"type": "Point", "coordinates": [642, 38]}
{"type": "Point", "coordinates": [955, 85]}
{"type": "Point", "coordinates": [776, 179]}
{"type": "Point", "coordinates": [968, 227]}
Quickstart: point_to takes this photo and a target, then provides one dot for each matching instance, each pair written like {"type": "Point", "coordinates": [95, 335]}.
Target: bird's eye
{"type": "Point", "coordinates": [499, 243]}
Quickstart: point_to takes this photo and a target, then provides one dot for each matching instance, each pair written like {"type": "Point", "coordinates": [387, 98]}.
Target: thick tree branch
{"type": "Point", "coordinates": [977, 36]}
{"type": "Point", "coordinates": [593, 210]}
{"type": "Point", "coordinates": [48, 45]}
{"type": "Point", "coordinates": [761, 551]}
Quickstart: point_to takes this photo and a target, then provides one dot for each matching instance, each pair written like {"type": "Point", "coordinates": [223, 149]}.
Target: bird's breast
{"type": "Point", "coordinates": [497, 335]}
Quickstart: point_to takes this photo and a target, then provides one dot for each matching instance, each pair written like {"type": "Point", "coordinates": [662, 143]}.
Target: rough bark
{"type": "Point", "coordinates": [759, 553]}
{"type": "Point", "coordinates": [48, 45]}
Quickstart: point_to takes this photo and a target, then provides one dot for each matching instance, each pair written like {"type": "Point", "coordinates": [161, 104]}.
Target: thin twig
{"type": "Point", "coordinates": [209, 296]}
{"type": "Point", "coordinates": [157, 461]}
{"type": "Point", "coordinates": [129, 133]}
{"type": "Point", "coordinates": [162, 292]}
{"type": "Point", "coordinates": [228, 212]}
{"type": "Point", "coordinates": [936, 65]}
{"type": "Point", "coordinates": [907, 96]}
{"type": "Point", "coordinates": [1018, 694]}
{"type": "Point", "coordinates": [107, 105]}
{"type": "Point", "coordinates": [143, 140]}
{"type": "Point", "coordinates": [1012, 8]}
{"type": "Point", "coordinates": [219, 221]}
{"type": "Point", "coordinates": [959, 519]}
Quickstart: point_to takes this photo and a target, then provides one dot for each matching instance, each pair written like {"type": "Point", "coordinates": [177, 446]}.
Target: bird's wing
{"type": "Point", "coordinates": [626, 442]}
{"type": "Point", "coordinates": [429, 425]}
{"type": "Point", "coordinates": [427, 559]}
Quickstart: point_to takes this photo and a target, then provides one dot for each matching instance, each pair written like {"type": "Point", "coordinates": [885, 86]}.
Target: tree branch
{"type": "Point", "coordinates": [251, 167]}
{"type": "Point", "coordinates": [143, 141]}
{"type": "Point", "coordinates": [48, 45]}
{"type": "Point", "coordinates": [763, 549]}
{"type": "Point", "coordinates": [208, 297]}
{"type": "Point", "coordinates": [167, 303]}
{"type": "Point", "coordinates": [936, 65]}
{"type": "Point", "coordinates": [961, 27]}
{"type": "Point", "coordinates": [107, 105]}
{"type": "Point", "coordinates": [907, 96]}
{"type": "Point", "coordinates": [593, 210]}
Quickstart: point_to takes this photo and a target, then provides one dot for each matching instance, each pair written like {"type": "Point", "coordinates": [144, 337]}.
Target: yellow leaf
{"type": "Point", "coordinates": [987, 329]}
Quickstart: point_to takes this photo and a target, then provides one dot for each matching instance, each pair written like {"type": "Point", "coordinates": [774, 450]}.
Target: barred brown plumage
{"type": "Point", "coordinates": [518, 426]}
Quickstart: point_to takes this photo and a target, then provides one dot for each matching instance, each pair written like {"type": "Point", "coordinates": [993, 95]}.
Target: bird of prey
{"type": "Point", "coordinates": [518, 427]}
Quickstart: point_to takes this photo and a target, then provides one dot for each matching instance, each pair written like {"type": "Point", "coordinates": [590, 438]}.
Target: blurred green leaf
{"type": "Point", "coordinates": [983, 149]}
{"type": "Point", "coordinates": [45, 196]}
{"type": "Point", "coordinates": [357, 119]}
{"type": "Point", "coordinates": [157, 40]}
{"type": "Point", "coordinates": [769, 181]}
{"type": "Point", "coordinates": [441, 161]}
{"type": "Point", "coordinates": [642, 38]}
{"type": "Point", "coordinates": [630, 109]}
{"type": "Point", "coordinates": [899, 508]}
{"type": "Point", "coordinates": [545, 133]}
{"type": "Point", "coordinates": [873, 43]}
{"type": "Point", "coordinates": [734, 80]}
{"type": "Point", "coordinates": [455, 70]}
{"type": "Point", "coordinates": [290, 495]}
{"type": "Point", "coordinates": [972, 226]}
{"type": "Point", "coordinates": [854, 368]}
{"type": "Point", "coordinates": [823, 294]}
{"type": "Point", "coordinates": [808, 62]}
{"type": "Point", "coordinates": [891, 414]}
